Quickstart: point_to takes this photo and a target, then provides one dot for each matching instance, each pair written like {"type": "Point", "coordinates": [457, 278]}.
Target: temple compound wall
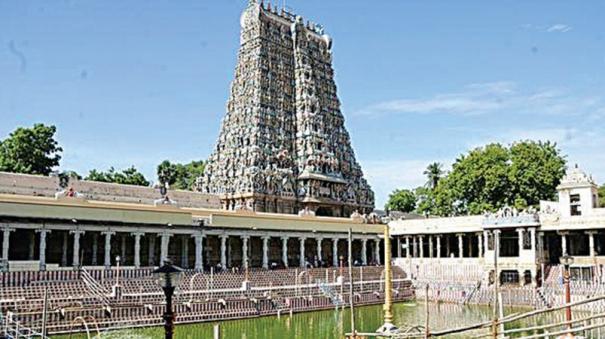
{"type": "Point", "coordinates": [283, 146]}
{"type": "Point", "coordinates": [525, 244]}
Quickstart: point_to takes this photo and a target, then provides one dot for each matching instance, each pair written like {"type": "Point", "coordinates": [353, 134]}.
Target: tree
{"type": "Point", "coordinates": [401, 200]}
{"type": "Point", "coordinates": [490, 177]}
{"type": "Point", "coordinates": [535, 171]}
{"type": "Point", "coordinates": [128, 176]}
{"type": "Point", "coordinates": [602, 196]}
{"type": "Point", "coordinates": [180, 176]}
{"type": "Point", "coordinates": [30, 150]}
{"type": "Point", "coordinates": [425, 200]}
{"type": "Point", "coordinates": [433, 172]}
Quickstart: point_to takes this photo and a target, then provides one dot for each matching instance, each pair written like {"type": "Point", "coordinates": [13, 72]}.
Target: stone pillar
{"type": "Point", "coordinates": [430, 246]}
{"type": "Point", "coordinates": [42, 248]}
{"type": "Point", "coordinates": [6, 242]}
{"type": "Point", "coordinates": [421, 245]}
{"type": "Point", "coordinates": [398, 247]}
{"type": "Point", "coordinates": [123, 247]}
{"type": "Point", "coordinates": [591, 246]}
{"type": "Point", "coordinates": [302, 251]}
{"type": "Point", "coordinates": [407, 246]}
{"type": "Point", "coordinates": [520, 235]}
{"type": "Point", "coordinates": [438, 246]}
{"type": "Point", "coordinates": [224, 238]}
{"type": "Point", "coordinates": [266, 252]}
{"type": "Point", "coordinates": [364, 251]}
{"type": "Point", "coordinates": [532, 232]}
{"type": "Point", "coordinates": [497, 242]}
{"type": "Point", "coordinates": [486, 240]}
{"type": "Point", "coordinates": [540, 246]}
{"type": "Point", "coordinates": [480, 244]}
{"type": "Point", "coordinates": [415, 245]}
{"type": "Point", "coordinates": [32, 246]}
{"type": "Point", "coordinates": [107, 261]}
{"type": "Point", "coordinates": [95, 247]}
{"type": "Point", "coordinates": [335, 252]}
{"type": "Point", "coordinates": [318, 240]}
{"type": "Point", "coordinates": [76, 255]}
{"type": "Point", "coordinates": [448, 250]}
{"type": "Point", "coordinates": [185, 251]}
{"type": "Point", "coordinates": [64, 248]}
{"type": "Point", "coordinates": [460, 246]}
{"type": "Point", "coordinates": [284, 250]}
{"type": "Point", "coordinates": [137, 248]}
{"type": "Point", "coordinates": [350, 250]}
{"type": "Point", "coordinates": [245, 239]}
{"type": "Point", "coordinates": [564, 243]}
{"type": "Point", "coordinates": [199, 253]}
{"type": "Point", "coordinates": [164, 246]}
{"type": "Point", "coordinates": [470, 247]}
{"type": "Point", "coordinates": [377, 243]}
{"type": "Point", "coordinates": [151, 251]}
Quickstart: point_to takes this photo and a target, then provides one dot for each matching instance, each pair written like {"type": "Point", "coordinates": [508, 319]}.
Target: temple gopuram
{"type": "Point", "coordinates": [283, 146]}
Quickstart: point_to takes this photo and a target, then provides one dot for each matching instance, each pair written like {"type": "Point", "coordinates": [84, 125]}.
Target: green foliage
{"type": "Point", "coordinates": [602, 196]}
{"type": "Point", "coordinates": [30, 150]}
{"type": "Point", "coordinates": [401, 200]}
{"type": "Point", "coordinates": [425, 200]}
{"type": "Point", "coordinates": [433, 172]}
{"type": "Point", "coordinates": [129, 176]}
{"type": "Point", "coordinates": [490, 177]}
{"type": "Point", "coordinates": [535, 171]}
{"type": "Point", "coordinates": [180, 176]}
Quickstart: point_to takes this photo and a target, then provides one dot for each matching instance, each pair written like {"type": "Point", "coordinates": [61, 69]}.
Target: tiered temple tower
{"type": "Point", "coordinates": [283, 146]}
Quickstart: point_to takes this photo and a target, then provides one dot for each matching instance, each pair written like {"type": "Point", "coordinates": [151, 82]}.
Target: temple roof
{"type": "Point", "coordinates": [575, 177]}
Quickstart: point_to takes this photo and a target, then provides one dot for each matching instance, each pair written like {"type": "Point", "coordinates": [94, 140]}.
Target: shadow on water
{"type": "Point", "coordinates": [320, 324]}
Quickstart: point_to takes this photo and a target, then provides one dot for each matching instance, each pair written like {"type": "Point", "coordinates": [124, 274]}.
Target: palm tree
{"type": "Point", "coordinates": [433, 172]}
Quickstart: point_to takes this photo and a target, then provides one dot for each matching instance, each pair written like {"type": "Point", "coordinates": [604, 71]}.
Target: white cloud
{"type": "Point", "coordinates": [555, 28]}
{"type": "Point", "coordinates": [559, 28]}
{"type": "Point", "coordinates": [473, 99]}
{"type": "Point", "coordinates": [489, 98]}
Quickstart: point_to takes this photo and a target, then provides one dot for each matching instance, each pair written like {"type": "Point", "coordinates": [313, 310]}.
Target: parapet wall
{"type": "Point", "coordinates": [47, 186]}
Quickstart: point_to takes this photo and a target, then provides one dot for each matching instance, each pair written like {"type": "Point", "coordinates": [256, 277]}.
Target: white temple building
{"type": "Point", "coordinates": [530, 242]}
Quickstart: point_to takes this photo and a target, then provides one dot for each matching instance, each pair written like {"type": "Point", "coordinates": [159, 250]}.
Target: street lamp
{"type": "Point", "coordinates": [567, 261]}
{"type": "Point", "coordinates": [168, 277]}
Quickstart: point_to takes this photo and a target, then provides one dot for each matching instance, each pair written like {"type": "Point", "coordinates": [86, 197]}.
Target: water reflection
{"type": "Point", "coordinates": [332, 323]}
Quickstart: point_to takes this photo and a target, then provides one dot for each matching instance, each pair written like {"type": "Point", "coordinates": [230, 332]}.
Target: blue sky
{"type": "Point", "coordinates": [137, 82]}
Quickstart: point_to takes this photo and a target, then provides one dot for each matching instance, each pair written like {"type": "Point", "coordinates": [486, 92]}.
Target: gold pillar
{"type": "Point", "coordinates": [387, 327]}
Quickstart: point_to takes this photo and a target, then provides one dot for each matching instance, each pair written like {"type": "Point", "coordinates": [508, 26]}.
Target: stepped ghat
{"type": "Point", "coordinates": [95, 250]}
{"type": "Point", "coordinates": [283, 146]}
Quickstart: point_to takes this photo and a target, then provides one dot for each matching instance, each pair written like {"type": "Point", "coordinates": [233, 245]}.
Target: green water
{"type": "Point", "coordinates": [321, 324]}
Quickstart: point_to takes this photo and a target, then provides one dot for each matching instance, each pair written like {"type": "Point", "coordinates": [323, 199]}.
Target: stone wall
{"type": "Point", "coordinates": [37, 185]}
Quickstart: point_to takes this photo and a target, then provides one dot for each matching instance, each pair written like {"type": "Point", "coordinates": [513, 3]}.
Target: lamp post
{"type": "Point", "coordinates": [567, 261]}
{"type": "Point", "coordinates": [168, 277]}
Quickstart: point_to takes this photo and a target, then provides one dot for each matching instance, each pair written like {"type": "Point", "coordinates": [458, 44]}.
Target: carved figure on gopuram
{"type": "Point", "coordinates": [283, 146]}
